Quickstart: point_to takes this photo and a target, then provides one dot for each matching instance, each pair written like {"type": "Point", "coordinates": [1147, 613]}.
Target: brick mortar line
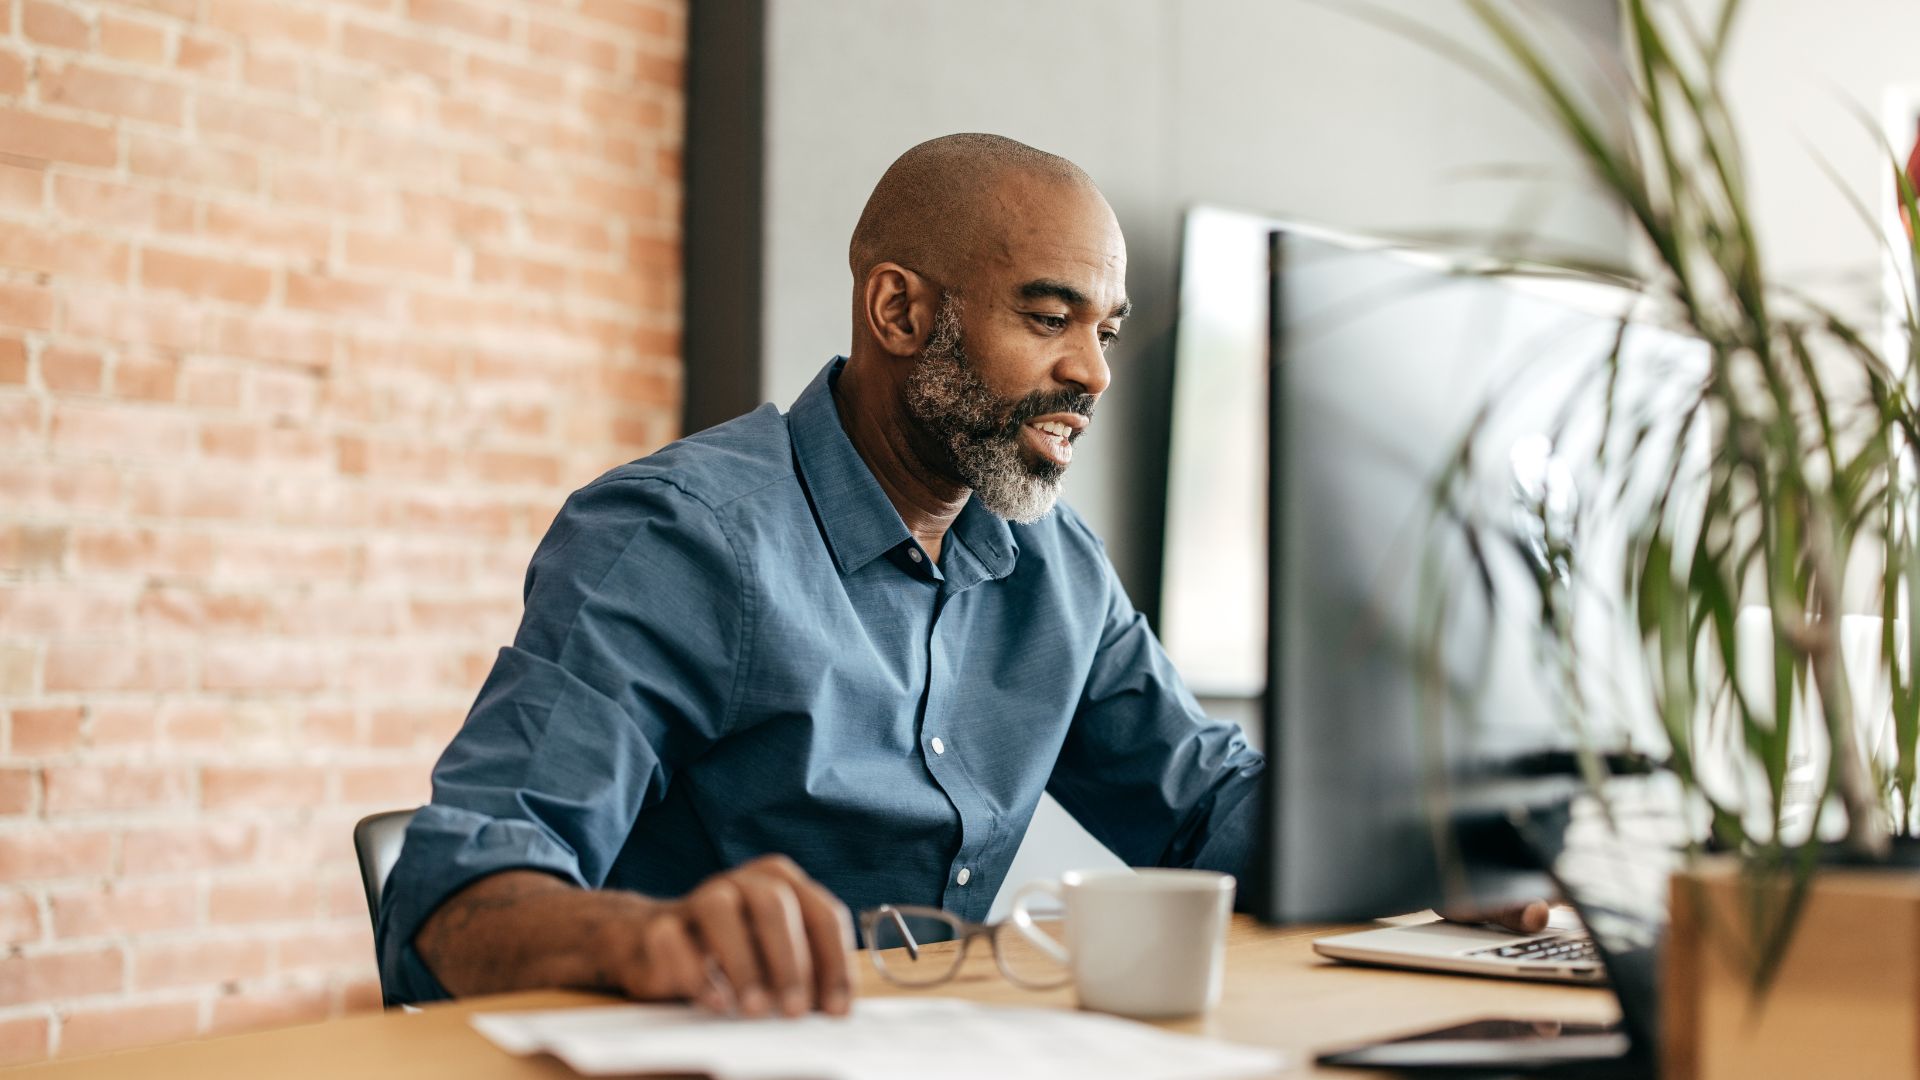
{"type": "Point", "coordinates": [490, 198]}
{"type": "Point", "coordinates": [300, 979]}
{"type": "Point", "coordinates": [277, 929]}
{"type": "Point", "coordinates": [659, 225]}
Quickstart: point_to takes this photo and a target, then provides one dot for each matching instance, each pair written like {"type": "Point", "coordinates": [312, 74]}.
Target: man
{"type": "Point", "coordinates": [828, 659]}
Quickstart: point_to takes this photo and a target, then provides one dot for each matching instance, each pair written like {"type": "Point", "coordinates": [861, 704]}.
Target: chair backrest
{"type": "Point", "coordinates": [376, 840]}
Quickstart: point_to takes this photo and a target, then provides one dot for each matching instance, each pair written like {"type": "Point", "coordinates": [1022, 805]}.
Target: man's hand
{"type": "Point", "coordinates": [1527, 918]}
{"type": "Point", "coordinates": [755, 939]}
{"type": "Point", "coordinates": [751, 940]}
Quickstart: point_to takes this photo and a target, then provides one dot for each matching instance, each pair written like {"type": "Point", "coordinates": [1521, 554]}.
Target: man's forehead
{"type": "Point", "coordinates": [1039, 213]}
{"type": "Point", "coordinates": [1081, 251]}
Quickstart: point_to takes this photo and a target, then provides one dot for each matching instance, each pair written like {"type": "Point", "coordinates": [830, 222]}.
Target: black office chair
{"type": "Point", "coordinates": [376, 841]}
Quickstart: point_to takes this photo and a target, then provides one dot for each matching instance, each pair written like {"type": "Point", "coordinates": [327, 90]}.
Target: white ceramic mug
{"type": "Point", "coordinates": [1146, 943]}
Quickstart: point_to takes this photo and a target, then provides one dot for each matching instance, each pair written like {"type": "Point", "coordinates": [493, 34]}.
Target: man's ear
{"type": "Point", "coordinates": [898, 306]}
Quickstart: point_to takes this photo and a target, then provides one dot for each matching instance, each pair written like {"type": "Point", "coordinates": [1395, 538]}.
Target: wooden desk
{"type": "Point", "coordinates": [1278, 993]}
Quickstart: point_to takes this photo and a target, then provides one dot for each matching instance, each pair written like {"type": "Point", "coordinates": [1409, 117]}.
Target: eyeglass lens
{"type": "Point", "coordinates": [913, 948]}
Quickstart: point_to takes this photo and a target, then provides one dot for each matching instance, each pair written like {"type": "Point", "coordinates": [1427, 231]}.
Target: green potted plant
{"type": "Point", "coordinates": [1788, 488]}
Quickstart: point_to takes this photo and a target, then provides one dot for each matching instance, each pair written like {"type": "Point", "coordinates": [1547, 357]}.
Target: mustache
{"type": "Point", "coordinates": [1042, 403]}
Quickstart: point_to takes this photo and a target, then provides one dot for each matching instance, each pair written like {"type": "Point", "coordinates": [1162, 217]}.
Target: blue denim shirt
{"type": "Point", "coordinates": [734, 647]}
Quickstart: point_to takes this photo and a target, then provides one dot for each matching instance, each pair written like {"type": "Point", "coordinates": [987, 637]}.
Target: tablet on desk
{"type": "Point", "coordinates": [1484, 1044]}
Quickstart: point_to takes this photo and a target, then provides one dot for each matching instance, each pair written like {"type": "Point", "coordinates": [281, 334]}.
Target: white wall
{"type": "Point", "coordinates": [1792, 70]}
{"type": "Point", "coordinates": [1278, 106]}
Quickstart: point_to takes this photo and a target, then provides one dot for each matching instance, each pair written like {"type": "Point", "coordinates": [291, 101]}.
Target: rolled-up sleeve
{"type": "Point", "coordinates": [623, 668]}
{"type": "Point", "coordinates": [1144, 769]}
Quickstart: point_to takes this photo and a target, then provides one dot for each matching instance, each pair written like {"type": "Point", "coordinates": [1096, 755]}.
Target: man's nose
{"type": "Point", "coordinates": [1085, 364]}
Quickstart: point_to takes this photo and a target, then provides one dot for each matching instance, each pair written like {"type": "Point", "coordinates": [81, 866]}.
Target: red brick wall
{"type": "Point", "coordinates": [311, 313]}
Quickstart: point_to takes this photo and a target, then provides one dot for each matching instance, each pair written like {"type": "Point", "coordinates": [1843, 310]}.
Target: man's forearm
{"type": "Point", "coordinates": [755, 939]}
{"type": "Point", "coordinates": [525, 930]}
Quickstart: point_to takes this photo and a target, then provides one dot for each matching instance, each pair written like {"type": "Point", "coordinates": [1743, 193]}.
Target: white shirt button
{"type": "Point", "coordinates": [914, 554]}
{"type": "Point", "coordinates": [963, 876]}
{"type": "Point", "coordinates": [938, 746]}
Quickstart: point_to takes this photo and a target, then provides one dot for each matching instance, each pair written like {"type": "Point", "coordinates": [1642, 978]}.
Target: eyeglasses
{"type": "Point", "coordinates": [925, 946]}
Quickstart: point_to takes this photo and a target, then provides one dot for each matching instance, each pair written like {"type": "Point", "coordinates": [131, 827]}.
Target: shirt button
{"type": "Point", "coordinates": [963, 876]}
{"type": "Point", "coordinates": [940, 748]}
{"type": "Point", "coordinates": [914, 554]}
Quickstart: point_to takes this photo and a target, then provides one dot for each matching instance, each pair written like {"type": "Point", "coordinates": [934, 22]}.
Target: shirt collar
{"type": "Point", "coordinates": [855, 515]}
{"type": "Point", "coordinates": [987, 539]}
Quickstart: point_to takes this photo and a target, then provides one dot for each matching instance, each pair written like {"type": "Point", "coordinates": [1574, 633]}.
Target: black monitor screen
{"type": "Point", "coordinates": [1379, 360]}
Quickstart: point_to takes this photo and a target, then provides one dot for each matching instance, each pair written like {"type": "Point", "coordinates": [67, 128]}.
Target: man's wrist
{"type": "Point", "coordinates": [614, 924]}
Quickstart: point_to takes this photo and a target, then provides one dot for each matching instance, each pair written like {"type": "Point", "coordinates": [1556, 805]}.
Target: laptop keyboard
{"type": "Point", "coordinates": [1570, 949]}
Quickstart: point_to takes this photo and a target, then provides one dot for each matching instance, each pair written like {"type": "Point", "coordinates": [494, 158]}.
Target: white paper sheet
{"type": "Point", "coordinates": [884, 1039]}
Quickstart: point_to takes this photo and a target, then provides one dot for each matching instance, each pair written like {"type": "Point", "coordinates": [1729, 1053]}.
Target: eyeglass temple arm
{"type": "Point", "coordinates": [913, 947]}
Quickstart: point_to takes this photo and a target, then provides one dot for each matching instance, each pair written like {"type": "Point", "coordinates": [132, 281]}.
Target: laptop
{"type": "Point", "coordinates": [1564, 952]}
{"type": "Point", "coordinates": [1614, 876]}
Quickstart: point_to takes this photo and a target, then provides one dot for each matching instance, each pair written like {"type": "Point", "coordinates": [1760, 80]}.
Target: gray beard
{"type": "Point", "coordinates": [977, 427]}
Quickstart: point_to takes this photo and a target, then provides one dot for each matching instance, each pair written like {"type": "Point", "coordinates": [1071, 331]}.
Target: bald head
{"type": "Point", "coordinates": [942, 203]}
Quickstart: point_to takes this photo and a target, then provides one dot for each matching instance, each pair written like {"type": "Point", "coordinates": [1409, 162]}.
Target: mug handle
{"type": "Point", "coordinates": [1023, 919]}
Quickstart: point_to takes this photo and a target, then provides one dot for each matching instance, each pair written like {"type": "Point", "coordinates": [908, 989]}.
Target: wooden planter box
{"type": "Point", "coordinates": [1847, 998]}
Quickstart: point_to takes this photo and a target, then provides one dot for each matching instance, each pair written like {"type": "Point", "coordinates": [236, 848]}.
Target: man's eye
{"type": "Point", "coordinates": [1108, 337]}
{"type": "Point", "coordinates": [1055, 323]}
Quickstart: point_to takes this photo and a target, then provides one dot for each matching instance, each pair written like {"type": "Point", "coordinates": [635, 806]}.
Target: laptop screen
{"type": "Point", "coordinates": [1612, 860]}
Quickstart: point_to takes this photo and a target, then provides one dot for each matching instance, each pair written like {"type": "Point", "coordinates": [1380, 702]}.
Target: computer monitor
{"type": "Point", "coordinates": [1358, 367]}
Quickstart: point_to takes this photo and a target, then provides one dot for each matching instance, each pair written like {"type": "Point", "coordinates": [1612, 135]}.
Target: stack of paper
{"type": "Point", "coordinates": [884, 1039]}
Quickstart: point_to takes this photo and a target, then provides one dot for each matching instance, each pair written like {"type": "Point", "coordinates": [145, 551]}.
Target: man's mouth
{"type": "Point", "coordinates": [1053, 438]}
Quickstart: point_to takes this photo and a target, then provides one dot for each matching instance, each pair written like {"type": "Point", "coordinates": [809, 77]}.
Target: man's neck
{"type": "Point", "coordinates": [925, 501]}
